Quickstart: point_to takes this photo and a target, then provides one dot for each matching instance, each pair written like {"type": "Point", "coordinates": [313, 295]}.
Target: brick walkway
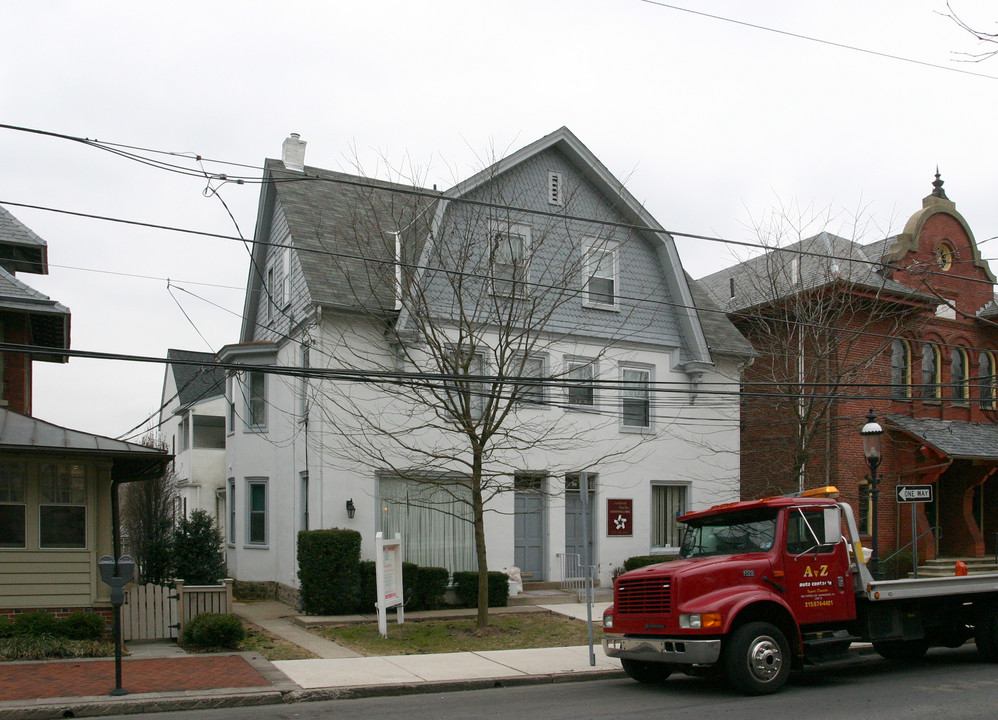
{"type": "Point", "coordinates": [29, 681]}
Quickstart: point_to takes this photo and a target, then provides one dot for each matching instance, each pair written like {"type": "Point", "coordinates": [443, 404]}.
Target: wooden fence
{"type": "Point", "coordinates": [160, 612]}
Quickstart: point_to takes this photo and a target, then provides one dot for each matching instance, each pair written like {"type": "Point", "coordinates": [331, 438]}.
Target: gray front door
{"type": "Point", "coordinates": [575, 534]}
{"type": "Point", "coordinates": [528, 524]}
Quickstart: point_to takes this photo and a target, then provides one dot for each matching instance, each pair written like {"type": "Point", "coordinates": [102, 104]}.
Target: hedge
{"type": "Point", "coordinates": [466, 588]}
{"type": "Point", "coordinates": [424, 587]}
{"type": "Point", "coordinates": [329, 571]}
{"type": "Point", "coordinates": [214, 630]}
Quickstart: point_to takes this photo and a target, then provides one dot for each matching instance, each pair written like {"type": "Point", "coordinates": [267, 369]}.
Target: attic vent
{"type": "Point", "coordinates": [555, 190]}
{"type": "Point", "coordinates": [731, 287]}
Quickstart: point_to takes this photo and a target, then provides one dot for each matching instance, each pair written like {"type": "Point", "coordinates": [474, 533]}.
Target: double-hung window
{"type": "Point", "coordinates": [958, 375]}
{"type": "Point", "coordinates": [468, 389]}
{"type": "Point", "coordinates": [256, 399]}
{"type": "Point", "coordinates": [986, 373]}
{"type": "Point", "coordinates": [232, 512]}
{"type": "Point", "coordinates": [636, 397]}
{"type": "Point", "coordinates": [931, 376]}
{"type": "Point", "coordinates": [601, 274]}
{"type": "Point", "coordinates": [62, 506]}
{"type": "Point", "coordinates": [13, 504]}
{"type": "Point", "coordinates": [256, 511]}
{"type": "Point", "coordinates": [510, 266]}
{"type": "Point", "coordinates": [532, 367]}
{"type": "Point", "coordinates": [580, 376]}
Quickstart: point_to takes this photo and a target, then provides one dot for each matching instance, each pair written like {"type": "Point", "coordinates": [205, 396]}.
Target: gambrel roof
{"type": "Point", "coordinates": [335, 216]}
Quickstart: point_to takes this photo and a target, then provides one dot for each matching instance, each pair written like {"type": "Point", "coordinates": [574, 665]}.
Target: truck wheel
{"type": "Point", "coordinates": [986, 636]}
{"type": "Point", "coordinates": [757, 658]}
{"type": "Point", "coordinates": [901, 650]}
{"type": "Point", "coordinates": [646, 672]}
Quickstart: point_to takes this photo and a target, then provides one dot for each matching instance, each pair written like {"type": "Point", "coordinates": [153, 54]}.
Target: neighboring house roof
{"type": "Point", "coordinates": [49, 320]}
{"type": "Point", "coordinates": [21, 250]}
{"type": "Point", "coordinates": [24, 433]}
{"type": "Point", "coordinates": [809, 264]}
{"type": "Point", "coordinates": [957, 439]}
{"type": "Point", "coordinates": [336, 221]}
{"type": "Point", "coordinates": [195, 382]}
{"type": "Point", "coordinates": [722, 336]}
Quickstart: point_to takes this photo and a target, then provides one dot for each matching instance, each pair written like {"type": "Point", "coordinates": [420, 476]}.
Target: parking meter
{"type": "Point", "coordinates": [117, 580]}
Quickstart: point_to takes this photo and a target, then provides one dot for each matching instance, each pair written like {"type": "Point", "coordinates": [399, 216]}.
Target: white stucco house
{"type": "Point", "coordinates": [192, 420]}
{"type": "Point", "coordinates": [386, 325]}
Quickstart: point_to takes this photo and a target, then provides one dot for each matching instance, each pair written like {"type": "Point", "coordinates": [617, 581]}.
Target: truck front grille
{"type": "Point", "coordinates": [643, 596]}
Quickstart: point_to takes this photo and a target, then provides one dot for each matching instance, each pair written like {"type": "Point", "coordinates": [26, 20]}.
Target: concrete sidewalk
{"type": "Point", "coordinates": [204, 681]}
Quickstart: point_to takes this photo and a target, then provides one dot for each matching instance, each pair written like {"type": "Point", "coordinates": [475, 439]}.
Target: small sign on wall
{"type": "Point", "coordinates": [619, 516]}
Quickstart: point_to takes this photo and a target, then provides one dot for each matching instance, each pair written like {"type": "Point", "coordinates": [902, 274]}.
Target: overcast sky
{"type": "Point", "coordinates": [710, 123]}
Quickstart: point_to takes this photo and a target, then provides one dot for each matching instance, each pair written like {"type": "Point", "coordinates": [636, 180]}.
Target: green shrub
{"type": "Point", "coordinates": [329, 571]}
{"type": "Point", "coordinates": [897, 567]}
{"type": "Point", "coordinates": [6, 628]}
{"type": "Point", "coordinates": [82, 626]}
{"type": "Point", "coordinates": [368, 588]}
{"type": "Point", "coordinates": [466, 588]}
{"type": "Point", "coordinates": [212, 630]}
{"type": "Point", "coordinates": [35, 624]}
{"type": "Point", "coordinates": [48, 646]}
{"type": "Point", "coordinates": [198, 550]}
{"type": "Point", "coordinates": [430, 586]}
{"type": "Point", "coordinates": [638, 561]}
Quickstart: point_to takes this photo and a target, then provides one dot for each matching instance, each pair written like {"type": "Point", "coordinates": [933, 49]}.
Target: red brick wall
{"type": "Point", "coordinates": [17, 366]}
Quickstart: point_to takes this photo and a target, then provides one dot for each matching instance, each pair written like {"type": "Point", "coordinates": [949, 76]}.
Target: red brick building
{"type": "Point", "coordinates": [904, 327]}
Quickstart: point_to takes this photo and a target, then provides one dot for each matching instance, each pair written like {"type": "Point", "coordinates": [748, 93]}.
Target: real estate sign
{"type": "Point", "coordinates": [388, 574]}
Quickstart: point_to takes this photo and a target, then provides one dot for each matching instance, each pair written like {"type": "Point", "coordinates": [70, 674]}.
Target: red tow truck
{"type": "Point", "coordinates": [765, 586]}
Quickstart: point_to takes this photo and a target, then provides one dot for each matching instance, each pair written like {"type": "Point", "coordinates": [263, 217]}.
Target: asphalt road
{"type": "Point", "coordinates": [951, 684]}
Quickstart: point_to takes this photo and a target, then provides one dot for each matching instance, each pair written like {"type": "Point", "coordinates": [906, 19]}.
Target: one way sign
{"type": "Point", "coordinates": [914, 493]}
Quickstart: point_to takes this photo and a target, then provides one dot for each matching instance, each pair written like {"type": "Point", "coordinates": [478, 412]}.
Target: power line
{"type": "Point", "coordinates": [830, 43]}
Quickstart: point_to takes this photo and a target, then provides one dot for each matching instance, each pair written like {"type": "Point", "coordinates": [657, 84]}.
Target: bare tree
{"type": "Point", "coordinates": [985, 38]}
{"type": "Point", "coordinates": [147, 521]}
{"type": "Point", "coordinates": [476, 296]}
{"type": "Point", "coordinates": [821, 313]}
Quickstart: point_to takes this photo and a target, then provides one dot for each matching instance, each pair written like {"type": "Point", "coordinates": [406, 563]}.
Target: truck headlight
{"type": "Point", "coordinates": [699, 621]}
{"type": "Point", "coordinates": [608, 622]}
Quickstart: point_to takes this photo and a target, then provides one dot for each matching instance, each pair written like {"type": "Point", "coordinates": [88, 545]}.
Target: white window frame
{"type": "Point", "coordinates": [627, 390]}
{"type": "Point", "coordinates": [655, 519]}
{"type": "Point", "coordinates": [477, 389]}
{"type": "Point", "coordinates": [253, 423]}
{"type": "Point", "coordinates": [498, 233]}
{"type": "Point", "coordinates": [268, 291]}
{"type": "Point", "coordinates": [533, 395]}
{"type": "Point", "coordinates": [593, 265]}
{"type": "Point", "coordinates": [572, 365]}
{"type": "Point", "coordinates": [285, 277]}
{"type": "Point", "coordinates": [252, 482]}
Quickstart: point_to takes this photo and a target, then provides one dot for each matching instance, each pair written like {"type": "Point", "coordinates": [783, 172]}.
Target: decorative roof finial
{"type": "Point", "coordinates": [937, 187]}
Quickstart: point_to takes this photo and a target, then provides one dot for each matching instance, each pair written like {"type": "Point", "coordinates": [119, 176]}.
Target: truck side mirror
{"type": "Point", "coordinates": [833, 525]}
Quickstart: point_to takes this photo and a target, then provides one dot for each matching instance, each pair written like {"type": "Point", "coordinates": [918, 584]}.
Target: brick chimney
{"type": "Point", "coordinates": [293, 153]}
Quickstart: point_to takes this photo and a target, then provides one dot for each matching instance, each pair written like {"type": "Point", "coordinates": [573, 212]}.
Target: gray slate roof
{"type": "Point", "coordinates": [805, 265]}
{"type": "Point", "coordinates": [331, 222]}
{"type": "Point", "coordinates": [21, 250]}
{"type": "Point", "coordinates": [955, 438]}
{"type": "Point", "coordinates": [195, 383]}
{"type": "Point", "coordinates": [722, 336]}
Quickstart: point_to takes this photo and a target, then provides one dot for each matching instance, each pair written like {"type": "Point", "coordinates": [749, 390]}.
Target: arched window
{"type": "Point", "coordinates": [986, 379]}
{"type": "Point", "coordinates": [958, 374]}
{"type": "Point", "coordinates": [944, 256]}
{"type": "Point", "coordinates": [900, 369]}
{"type": "Point", "coordinates": [930, 371]}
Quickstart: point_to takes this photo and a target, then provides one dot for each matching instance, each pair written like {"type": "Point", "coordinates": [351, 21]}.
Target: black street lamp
{"type": "Point", "coordinates": [871, 434]}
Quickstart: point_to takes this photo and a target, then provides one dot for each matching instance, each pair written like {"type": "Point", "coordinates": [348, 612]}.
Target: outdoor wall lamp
{"type": "Point", "coordinates": [872, 434]}
{"type": "Point", "coordinates": [351, 509]}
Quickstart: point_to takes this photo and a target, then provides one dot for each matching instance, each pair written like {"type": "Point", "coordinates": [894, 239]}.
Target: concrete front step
{"type": "Point", "coordinates": [946, 567]}
{"type": "Point", "coordinates": [557, 596]}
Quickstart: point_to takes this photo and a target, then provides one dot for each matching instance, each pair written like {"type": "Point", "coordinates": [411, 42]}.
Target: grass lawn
{"type": "Point", "coordinates": [271, 647]}
{"type": "Point", "coordinates": [505, 632]}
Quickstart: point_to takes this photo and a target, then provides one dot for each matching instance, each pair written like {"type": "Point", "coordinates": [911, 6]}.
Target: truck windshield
{"type": "Point", "coordinates": [729, 534]}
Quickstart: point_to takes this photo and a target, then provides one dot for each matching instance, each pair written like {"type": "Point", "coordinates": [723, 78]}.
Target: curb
{"type": "Point", "coordinates": [97, 706]}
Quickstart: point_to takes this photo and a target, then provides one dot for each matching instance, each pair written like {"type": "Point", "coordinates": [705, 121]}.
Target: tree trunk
{"type": "Point", "coordinates": [483, 564]}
